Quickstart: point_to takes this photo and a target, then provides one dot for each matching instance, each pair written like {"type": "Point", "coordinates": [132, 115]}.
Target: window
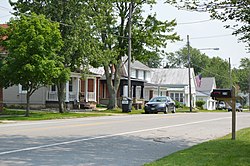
{"type": "Point", "coordinates": [177, 96]}
{"type": "Point", "coordinates": [137, 74]}
{"type": "Point", "coordinates": [22, 89]}
{"type": "Point", "coordinates": [53, 88]}
{"type": "Point", "coordinates": [181, 97]}
{"type": "Point", "coordinates": [172, 95]}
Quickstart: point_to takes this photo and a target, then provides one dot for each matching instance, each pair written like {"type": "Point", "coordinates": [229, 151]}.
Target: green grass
{"type": "Point", "coordinates": [16, 115]}
{"type": "Point", "coordinates": [42, 115]}
{"type": "Point", "coordinates": [219, 152]}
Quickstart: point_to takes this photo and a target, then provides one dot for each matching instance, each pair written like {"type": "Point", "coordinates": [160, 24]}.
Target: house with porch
{"type": "Point", "coordinates": [173, 82]}
{"type": "Point", "coordinates": [79, 93]}
{"type": "Point", "coordinates": [140, 74]}
{"type": "Point", "coordinates": [203, 91]}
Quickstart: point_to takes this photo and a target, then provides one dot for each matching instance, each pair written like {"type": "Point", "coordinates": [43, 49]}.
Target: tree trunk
{"type": "Point", "coordinates": [27, 113]}
{"type": "Point", "coordinates": [61, 97]}
{"type": "Point", "coordinates": [113, 85]}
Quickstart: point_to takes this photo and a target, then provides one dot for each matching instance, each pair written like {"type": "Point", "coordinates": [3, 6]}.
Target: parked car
{"type": "Point", "coordinates": [238, 107]}
{"type": "Point", "coordinates": [221, 105]}
{"type": "Point", "coordinates": [160, 104]}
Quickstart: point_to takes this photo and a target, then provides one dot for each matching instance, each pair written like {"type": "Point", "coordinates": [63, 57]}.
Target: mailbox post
{"type": "Point", "coordinates": [227, 95]}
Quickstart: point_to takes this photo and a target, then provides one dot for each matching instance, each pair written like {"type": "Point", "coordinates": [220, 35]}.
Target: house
{"type": "Point", "coordinates": [140, 74]}
{"type": "Point", "coordinates": [203, 91]}
{"type": "Point", "coordinates": [173, 82]}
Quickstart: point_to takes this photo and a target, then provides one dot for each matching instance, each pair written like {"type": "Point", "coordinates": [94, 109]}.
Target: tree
{"type": "Point", "coordinates": [202, 64]}
{"type": "Point", "coordinates": [32, 61]}
{"type": "Point", "coordinates": [237, 10]}
{"type": "Point", "coordinates": [180, 59]}
{"type": "Point", "coordinates": [68, 14]}
{"type": "Point", "coordinates": [243, 75]}
{"type": "Point", "coordinates": [109, 37]}
{"type": "Point", "coordinates": [219, 69]}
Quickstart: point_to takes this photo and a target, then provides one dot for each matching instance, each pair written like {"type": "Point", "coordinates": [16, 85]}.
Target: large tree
{"type": "Point", "coordinates": [180, 59]}
{"type": "Point", "coordinates": [109, 37]}
{"type": "Point", "coordinates": [32, 42]}
{"type": "Point", "coordinates": [67, 14]}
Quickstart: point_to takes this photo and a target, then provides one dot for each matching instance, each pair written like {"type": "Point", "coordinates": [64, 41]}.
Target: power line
{"type": "Point", "coordinates": [215, 36]}
{"type": "Point", "coordinates": [194, 22]}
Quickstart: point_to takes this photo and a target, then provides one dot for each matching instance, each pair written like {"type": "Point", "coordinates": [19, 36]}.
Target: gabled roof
{"type": "Point", "coordinates": [139, 65]}
{"type": "Point", "coordinates": [133, 65]}
{"type": "Point", "coordinates": [170, 76]}
{"type": "Point", "coordinates": [207, 84]}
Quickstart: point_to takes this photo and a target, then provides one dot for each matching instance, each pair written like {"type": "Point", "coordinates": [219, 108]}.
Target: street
{"type": "Point", "coordinates": [126, 140]}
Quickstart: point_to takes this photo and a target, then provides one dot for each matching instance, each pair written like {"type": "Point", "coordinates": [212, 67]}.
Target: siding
{"type": "Point", "coordinates": [12, 96]}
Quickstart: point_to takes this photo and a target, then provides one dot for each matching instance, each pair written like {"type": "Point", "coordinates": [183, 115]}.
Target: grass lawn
{"type": "Point", "coordinates": [15, 115]}
{"type": "Point", "coordinates": [219, 152]}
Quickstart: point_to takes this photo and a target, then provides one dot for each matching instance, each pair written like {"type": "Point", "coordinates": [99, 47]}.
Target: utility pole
{"type": "Point", "coordinates": [230, 73]}
{"type": "Point", "coordinates": [233, 103]}
{"type": "Point", "coordinates": [189, 75]}
{"type": "Point", "coordinates": [129, 50]}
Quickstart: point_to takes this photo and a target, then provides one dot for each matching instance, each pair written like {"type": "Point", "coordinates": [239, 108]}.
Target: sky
{"type": "Point", "coordinates": [203, 32]}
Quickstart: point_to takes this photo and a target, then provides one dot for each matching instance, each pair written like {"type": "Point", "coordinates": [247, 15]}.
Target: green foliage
{"type": "Point", "coordinates": [234, 10]}
{"type": "Point", "coordinates": [202, 64]}
{"type": "Point", "coordinates": [178, 104]}
{"type": "Point", "coordinates": [108, 37]}
{"type": "Point", "coordinates": [200, 103]}
{"type": "Point", "coordinates": [243, 75]}
{"type": "Point", "coordinates": [180, 58]}
{"type": "Point", "coordinates": [32, 60]}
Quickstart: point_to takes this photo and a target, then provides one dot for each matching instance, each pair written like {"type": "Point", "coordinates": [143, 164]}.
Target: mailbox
{"type": "Point", "coordinates": [221, 93]}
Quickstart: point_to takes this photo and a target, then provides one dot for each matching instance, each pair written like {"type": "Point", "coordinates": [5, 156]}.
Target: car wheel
{"type": "Point", "coordinates": [166, 110]}
{"type": "Point", "coordinates": [174, 110]}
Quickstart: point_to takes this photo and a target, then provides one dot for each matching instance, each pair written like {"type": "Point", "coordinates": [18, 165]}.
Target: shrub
{"type": "Point", "coordinates": [200, 103]}
{"type": "Point", "coordinates": [178, 104]}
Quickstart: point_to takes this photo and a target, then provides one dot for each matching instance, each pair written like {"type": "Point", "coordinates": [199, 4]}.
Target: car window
{"type": "Point", "coordinates": [158, 99]}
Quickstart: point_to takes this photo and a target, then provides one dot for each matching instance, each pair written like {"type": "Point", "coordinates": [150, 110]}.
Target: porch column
{"type": "Point", "coordinates": [142, 88]}
{"type": "Point", "coordinates": [95, 88]}
{"type": "Point", "coordinates": [77, 88]}
{"type": "Point", "coordinates": [67, 92]}
{"type": "Point", "coordinates": [86, 90]}
{"type": "Point", "coordinates": [134, 91]}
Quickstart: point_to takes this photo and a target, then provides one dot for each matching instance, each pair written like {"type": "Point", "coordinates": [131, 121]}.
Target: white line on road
{"type": "Point", "coordinates": [107, 136]}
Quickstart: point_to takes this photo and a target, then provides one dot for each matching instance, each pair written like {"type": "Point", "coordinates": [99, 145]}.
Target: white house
{"type": "Point", "coordinates": [204, 90]}
{"type": "Point", "coordinates": [173, 82]}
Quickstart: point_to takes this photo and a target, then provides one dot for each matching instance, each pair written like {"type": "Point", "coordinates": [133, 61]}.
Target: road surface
{"type": "Point", "coordinates": [127, 140]}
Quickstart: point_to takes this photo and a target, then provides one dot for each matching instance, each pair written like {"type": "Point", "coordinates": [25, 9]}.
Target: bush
{"type": "Point", "coordinates": [178, 104]}
{"type": "Point", "coordinates": [200, 103]}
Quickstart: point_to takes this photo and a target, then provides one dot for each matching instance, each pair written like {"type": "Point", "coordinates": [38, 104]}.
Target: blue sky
{"type": "Point", "coordinates": [203, 32]}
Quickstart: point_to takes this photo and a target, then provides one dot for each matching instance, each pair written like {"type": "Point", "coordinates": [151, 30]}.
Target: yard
{"type": "Point", "coordinates": [219, 152]}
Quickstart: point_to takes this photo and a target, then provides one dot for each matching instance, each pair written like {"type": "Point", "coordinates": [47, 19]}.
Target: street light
{"type": "Point", "coordinates": [209, 49]}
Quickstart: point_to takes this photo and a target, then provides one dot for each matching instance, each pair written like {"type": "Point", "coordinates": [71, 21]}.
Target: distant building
{"type": "Point", "coordinates": [173, 82]}
{"type": "Point", "coordinates": [203, 91]}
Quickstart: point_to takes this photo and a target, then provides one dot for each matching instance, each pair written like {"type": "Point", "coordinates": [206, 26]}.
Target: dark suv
{"type": "Point", "coordinates": [160, 104]}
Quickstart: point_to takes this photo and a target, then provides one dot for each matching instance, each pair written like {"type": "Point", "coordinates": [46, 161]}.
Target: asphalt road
{"type": "Point", "coordinates": [110, 141]}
